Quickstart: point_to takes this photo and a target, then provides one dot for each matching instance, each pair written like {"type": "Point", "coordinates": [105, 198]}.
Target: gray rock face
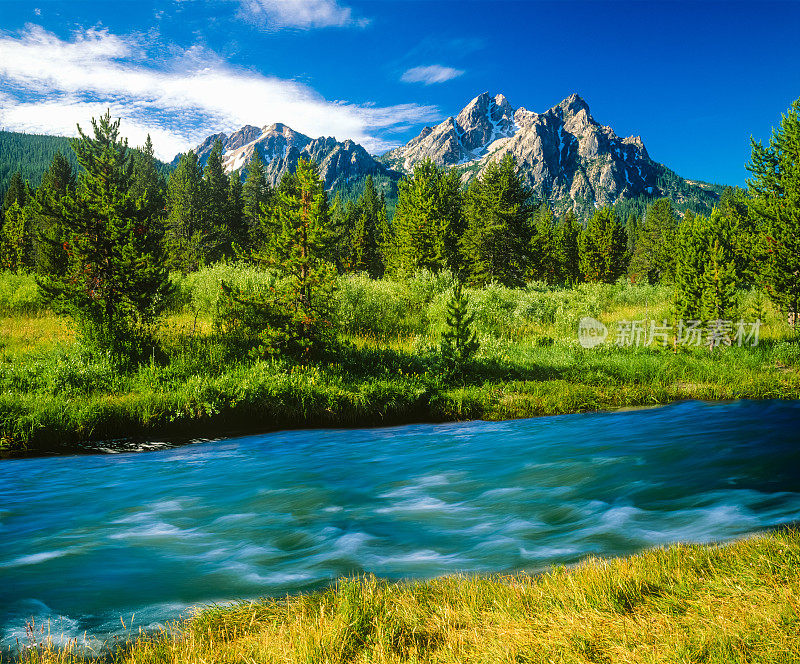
{"type": "Point", "coordinates": [280, 147]}
{"type": "Point", "coordinates": [461, 139]}
{"type": "Point", "coordinates": [564, 155]}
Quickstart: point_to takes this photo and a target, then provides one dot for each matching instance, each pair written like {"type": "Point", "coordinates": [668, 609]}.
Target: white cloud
{"type": "Point", "coordinates": [430, 74]}
{"type": "Point", "coordinates": [303, 14]}
{"type": "Point", "coordinates": [51, 83]}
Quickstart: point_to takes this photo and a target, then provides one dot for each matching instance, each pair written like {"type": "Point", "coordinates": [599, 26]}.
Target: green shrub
{"type": "Point", "coordinates": [380, 308]}
{"type": "Point", "coordinates": [198, 293]}
{"type": "Point", "coordinates": [19, 295]}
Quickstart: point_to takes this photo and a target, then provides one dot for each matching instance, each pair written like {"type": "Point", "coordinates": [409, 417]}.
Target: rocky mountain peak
{"type": "Point", "coordinates": [280, 147]}
{"type": "Point", "coordinates": [565, 156]}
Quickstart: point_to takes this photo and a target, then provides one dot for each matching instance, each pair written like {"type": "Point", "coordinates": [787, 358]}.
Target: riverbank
{"type": "Point", "coordinates": [726, 603]}
{"type": "Point", "coordinates": [55, 397]}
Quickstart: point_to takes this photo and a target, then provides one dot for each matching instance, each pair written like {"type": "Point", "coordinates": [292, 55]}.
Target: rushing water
{"type": "Point", "coordinates": [87, 539]}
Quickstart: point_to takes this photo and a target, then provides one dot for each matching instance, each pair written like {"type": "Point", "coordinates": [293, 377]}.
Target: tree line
{"type": "Point", "coordinates": [103, 241]}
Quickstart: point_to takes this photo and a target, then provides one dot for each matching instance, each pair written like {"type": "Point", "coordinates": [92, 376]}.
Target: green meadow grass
{"type": "Point", "coordinates": [728, 604]}
{"type": "Point", "coordinates": [54, 395]}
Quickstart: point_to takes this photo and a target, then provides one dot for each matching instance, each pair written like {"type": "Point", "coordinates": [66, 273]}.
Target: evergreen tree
{"type": "Point", "coordinates": [236, 224]}
{"type": "Point", "coordinates": [189, 240]}
{"type": "Point", "coordinates": [567, 245]}
{"type": "Point", "coordinates": [116, 285]}
{"type": "Point", "coordinates": [148, 183]}
{"type": "Point", "coordinates": [342, 221]}
{"type": "Point", "coordinates": [496, 244]}
{"type": "Point", "coordinates": [369, 233]}
{"type": "Point", "coordinates": [14, 236]}
{"type": "Point", "coordinates": [775, 188]}
{"type": "Point", "coordinates": [50, 256]}
{"type": "Point", "coordinates": [17, 192]}
{"type": "Point", "coordinates": [545, 258]}
{"type": "Point", "coordinates": [256, 194]}
{"type": "Point", "coordinates": [426, 221]}
{"type": "Point", "coordinates": [747, 236]}
{"type": "Point", "coordinates": [690, 263]}
{"type": "Point", "coordinates": [459, 342]}
{"type": "Point", "coordinates": [653, 259]}
{"type": "Point", "coordinates": [216, 210]}
{"type": "Point", "coordinates": [296, 318]}
{"type": "Point", "coordinates": [705, 273]}
{"type": "Point", "coordinates": [603, 247]}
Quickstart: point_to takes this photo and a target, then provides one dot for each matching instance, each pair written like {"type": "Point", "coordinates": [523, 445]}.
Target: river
{"type": "Point", "coordinates": [87, 540]}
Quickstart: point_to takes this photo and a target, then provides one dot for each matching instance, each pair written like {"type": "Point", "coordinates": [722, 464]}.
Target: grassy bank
{"type": "Point", "coordinates": [738, 602]}
{"type": "Point", "coordinates": [54, 396]}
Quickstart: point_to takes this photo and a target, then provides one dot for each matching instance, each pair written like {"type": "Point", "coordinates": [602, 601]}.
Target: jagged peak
{"type": "Point", "coordinates": [572, 105]}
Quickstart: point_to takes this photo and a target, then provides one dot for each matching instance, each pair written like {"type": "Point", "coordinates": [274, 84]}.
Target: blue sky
{"type": "Point", "coordinates": [694, 80]}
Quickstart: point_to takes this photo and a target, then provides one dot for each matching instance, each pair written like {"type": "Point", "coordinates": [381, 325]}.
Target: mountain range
{"type": "Point", "coordinates": [564, 155]}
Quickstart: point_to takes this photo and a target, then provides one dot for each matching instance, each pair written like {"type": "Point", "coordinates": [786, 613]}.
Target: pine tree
{"type": "Point", "coordinates": [775, 188]}
{"type": "Point", "coordinates": [14, 236]}
{"type": "Point", "coordinates": [116, 285]}
{"type": "Point", "coordinates": [189, 240]}
{"type": "Point", "coordinates": [296, 319]}
{"type": "Point", "coordinates": [459, 342]}
{"type": "Point", "coordinates": [426, 221]}
{"type": "Point", "coordinates": [236, 224]}
{"type": "Point", "coordinates": [653, 259]}
{"type": "Point", "coordinates": [705, 273]}
{"type": "Point", "coordinates": [496, 245]}
{"type": "Point", "coordinates": [567, 246]}
{"type": "Point", "coordinates": [216, 211]}
{"type": "Point", "coordinates": [545, 259]}
{"type": "Point", "coordinates": [690, 263]}
{"type": "Point", "coordinates": [369, 232]}
{"type": "Point", "coordinates": [17, 192]}
{"type": "Point", "coordinates": [603, 247]}
{"type": "Point", "coordinates": [50, 256]}
{"type": "Point", "coordinates": [148, 183]}
{"type": "Point", "coordinates": [256, 194]}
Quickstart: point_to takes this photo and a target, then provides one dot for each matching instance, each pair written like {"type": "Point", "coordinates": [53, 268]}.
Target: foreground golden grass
{"type": "Point", "coordinates": [738, 602]}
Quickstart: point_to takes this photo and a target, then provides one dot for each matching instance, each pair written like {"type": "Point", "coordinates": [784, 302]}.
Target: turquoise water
{"type": "Point", "coordinates": [87, 539]}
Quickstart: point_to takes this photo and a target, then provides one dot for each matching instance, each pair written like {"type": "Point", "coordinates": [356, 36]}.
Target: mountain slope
{"type": "Point", "coordinates": [564, 155]}
{"type": "Point", "coordinates": [280, 147]}
{"type": "Point", "coordinates": [30, 154]}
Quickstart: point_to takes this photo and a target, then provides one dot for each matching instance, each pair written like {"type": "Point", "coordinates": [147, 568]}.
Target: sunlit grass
{"type": "Point", "coordinates": [738, 602]}
{"type": "Point", "coordinates": [54, 395]}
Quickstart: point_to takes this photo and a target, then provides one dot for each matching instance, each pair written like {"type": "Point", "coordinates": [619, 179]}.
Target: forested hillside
{"type": "Point", "coordinates": [30, 154]}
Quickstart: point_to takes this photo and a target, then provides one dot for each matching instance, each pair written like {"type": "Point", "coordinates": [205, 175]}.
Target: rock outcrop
{"type": "Point", "coordinates": [564, 155]}
{"type": "Point", "coordinates": [280, 147]}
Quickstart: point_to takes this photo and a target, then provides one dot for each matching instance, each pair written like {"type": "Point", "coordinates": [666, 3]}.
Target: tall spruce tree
{"type": "Point", "coordinates": [603, 247]}
{"type": "Point", "coordinates": [17, 191]}
{"type": "Point", "coordinates": [295, 318]}
{"type": "Point", "coordinates": [189, 239]}
{"type": "Point", "coordinates": [545, 262]}
{"type": "Point", "coordinates": [236, 224]}
{"type": "Point", "coordinates": [115, 285]}
{"type": "Point", "coordinates": [775, 189]}
{"type": "Point", "coordinates": [426, 221]}
{"type": "Point", "coordinates": [216, 210]}
{"type": "Point", "coordinates": [50, 256]}
{"type": "Point", "coordinates": [496, 245]}
{"type": "Point", "coordinates": [653, 259]}
{"type": "Point", "coordinates": [567, 245]}
{"type": "Point", "coordinates": [705, 272]}
{"type": "Point", "coordinates": [256, 194]}
{"type": "Point", "coordinates": [369, 233]}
